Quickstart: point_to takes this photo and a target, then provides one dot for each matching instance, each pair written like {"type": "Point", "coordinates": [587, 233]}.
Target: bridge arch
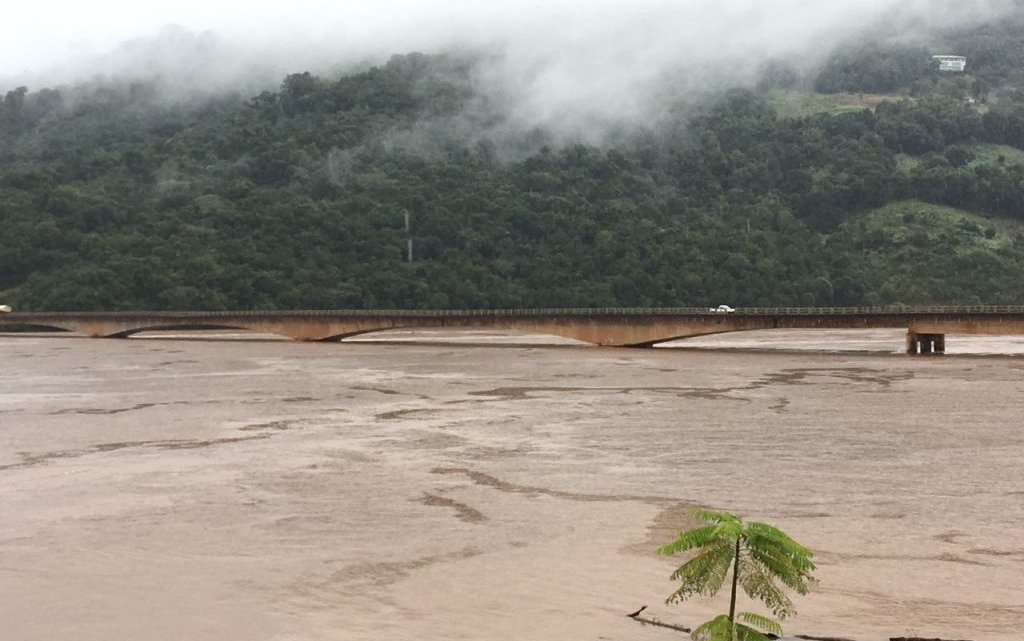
{"type": "Point", "coordinates": [626, 330]}
{"type": "Point", "coordinates": [39, 327]}
{"type": "Point", "coordinates": [171, 328]}
{"type": "Point", "coordinates": [609, 327]}
{"type": "Point", "coordinates": [698, 333]}
{"type": "Point", "coordinates": [454, 330]}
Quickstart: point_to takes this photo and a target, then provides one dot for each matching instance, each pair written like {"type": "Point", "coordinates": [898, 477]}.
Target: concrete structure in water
{"type": "Point", "coordinates": [620, 327]}
{"type": "Point", "coordinates": [925, 343]}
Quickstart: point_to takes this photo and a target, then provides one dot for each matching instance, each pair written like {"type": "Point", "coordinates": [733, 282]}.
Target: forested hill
{"type": "Point", "coordinates": [112, 197]}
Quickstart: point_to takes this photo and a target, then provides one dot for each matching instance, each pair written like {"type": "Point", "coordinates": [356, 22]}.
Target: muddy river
{"type": "Point", "coordinates": [169, 488]}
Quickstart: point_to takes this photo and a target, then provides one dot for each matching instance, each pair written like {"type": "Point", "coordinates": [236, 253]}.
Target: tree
{"type": "Point", "coordinates": [758, 553]}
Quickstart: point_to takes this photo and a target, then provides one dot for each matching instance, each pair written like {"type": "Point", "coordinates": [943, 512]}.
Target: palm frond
{"type": "Point", "coordinates": [766, 624]}
{"type": "Point", "coordinates": [713, 517]}
{"type": "Point", "coordinates": [689, 540]}
{"type": "Point", "coordinates": [717, 629]}
{"type": "Point", "coordinates": [758, 583]}
{"type": "Point", "coordinates": [770, 530]}
{"type": "Point", "coordinates": [762, 534]}
{"type": "Point", "coordinates": [704, 574]}
{"type": "Point", "coordinates": [746, 633]}
{"type": "Point", "coordinates": [722, 629]}
{"type": "Point", "coordinates": [726, 524]}
{"type": "Point", "coordinates": [731, 530]}
{"type": "Point", "coordinates": [793, 569]}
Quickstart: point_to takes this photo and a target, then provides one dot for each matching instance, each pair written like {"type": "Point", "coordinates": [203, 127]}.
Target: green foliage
{"type": "Point", "coordinates": [721, 628]}
{"type": "Point", "coordinates": [795, 103]}
{"type": "Point", "coordinates": [873, 66]}
{"type": "Point", "coordinates": [882, 61]}
{"type": "Point", "coordinates": [111, 198]}
{"type": "Point", "coordinates": [910, 251]}
{"type": "Point", "coordinates": [987, 154]}
{"type": "Point", "coordinates": [994, 50]}
{"type": "Point", "coordinates": [758, 555]}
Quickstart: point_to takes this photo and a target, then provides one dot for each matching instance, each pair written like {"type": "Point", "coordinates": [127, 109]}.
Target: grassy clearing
{"type": "Point", "coordinates": [906, 162]}
{"type": "Point", "coordinates": [909, 221]}
{"type": "Point", "coordinates": [914, 252]}
{"type": "Point", "coordinates": [984, 154]}
{"type": "Point", "coordinates": [991, 154]}
{"type": "Point", "coordinates": [790, 103]}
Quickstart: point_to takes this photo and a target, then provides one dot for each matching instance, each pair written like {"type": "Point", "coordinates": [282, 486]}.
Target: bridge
{"type": "Point", "coordinates": [621, 327]}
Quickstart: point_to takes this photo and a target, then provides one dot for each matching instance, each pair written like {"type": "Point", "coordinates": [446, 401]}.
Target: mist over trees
{"type": "Point", "coordinates": [112, 197]}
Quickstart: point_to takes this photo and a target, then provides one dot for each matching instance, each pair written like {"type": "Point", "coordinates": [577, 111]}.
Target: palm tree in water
{"type": "Point", "coordinates": [759, 555]}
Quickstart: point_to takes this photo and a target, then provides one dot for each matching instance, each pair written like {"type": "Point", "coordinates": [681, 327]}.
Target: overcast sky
{"type": "Point", "coordinates": [37, 35]}
{"type": "Point", "coordinates": [557, 55]}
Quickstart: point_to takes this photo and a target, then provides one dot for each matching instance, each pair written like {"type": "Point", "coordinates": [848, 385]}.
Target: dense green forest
{"type": "Point", "coordinates": [112, 197]}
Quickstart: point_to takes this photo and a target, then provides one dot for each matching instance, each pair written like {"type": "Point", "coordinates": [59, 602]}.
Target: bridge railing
{"type": "Point", "coordinates": [547, 312]}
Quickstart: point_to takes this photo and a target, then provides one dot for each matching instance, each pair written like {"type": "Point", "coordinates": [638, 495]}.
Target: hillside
{"type": "Point", "coordinates": [112, 198]}
{"type": "Point", "coordinates": [913, 252]}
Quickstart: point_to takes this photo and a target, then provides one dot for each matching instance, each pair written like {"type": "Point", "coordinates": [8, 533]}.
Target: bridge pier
{"type": "Point", "coordinates": [925, 344]}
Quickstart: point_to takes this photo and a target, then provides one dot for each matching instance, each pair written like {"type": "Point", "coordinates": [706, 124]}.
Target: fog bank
{"type": "Point", "coordinates": [560, 61]}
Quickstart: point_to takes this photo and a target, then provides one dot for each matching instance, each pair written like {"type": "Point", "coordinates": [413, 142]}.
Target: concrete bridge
{"type": "Point", "coordinates": [633, 327]}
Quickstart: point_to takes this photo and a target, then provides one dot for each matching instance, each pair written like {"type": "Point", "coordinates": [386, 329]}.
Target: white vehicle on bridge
{"type": "Point", "coordinates": [6, 308]}
{"type": "Point", "coordinates": [721, 309]}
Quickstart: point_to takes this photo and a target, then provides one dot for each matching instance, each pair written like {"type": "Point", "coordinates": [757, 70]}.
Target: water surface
{"type": "Point", "coordinates": [270, 490]}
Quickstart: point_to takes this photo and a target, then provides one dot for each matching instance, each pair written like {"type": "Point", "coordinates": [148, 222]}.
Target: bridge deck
{"type": "Point", "coordinates": [603, 326]}
{"type": "Point", "coordinates": [554, 311]}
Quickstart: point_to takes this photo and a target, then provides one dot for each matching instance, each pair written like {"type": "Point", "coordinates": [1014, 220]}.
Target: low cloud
{"type": "Point", "coordinates": [559, 63]}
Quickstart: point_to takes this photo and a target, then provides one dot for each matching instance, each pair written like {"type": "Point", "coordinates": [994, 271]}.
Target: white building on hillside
{"type": "Point", "coordinates": [950, 63]}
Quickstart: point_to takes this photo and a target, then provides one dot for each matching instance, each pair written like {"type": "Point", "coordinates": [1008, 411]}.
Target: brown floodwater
{"type": "Point", "coordinates": [177, 488]}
